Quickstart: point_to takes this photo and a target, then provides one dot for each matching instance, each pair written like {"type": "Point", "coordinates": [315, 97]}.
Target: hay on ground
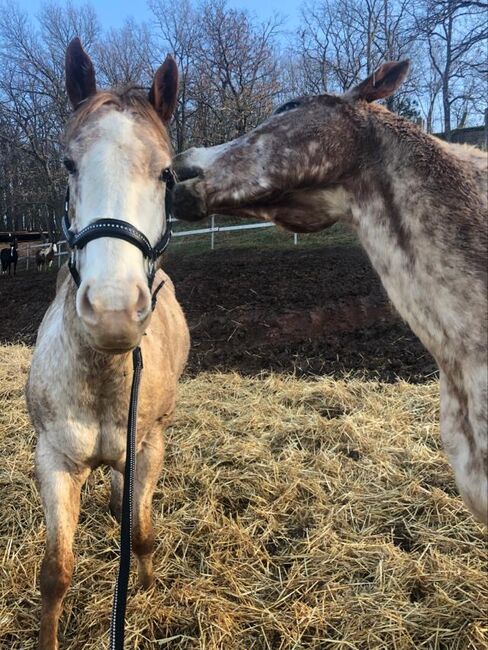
{"type": "Point", "coordinates": [291, 514]}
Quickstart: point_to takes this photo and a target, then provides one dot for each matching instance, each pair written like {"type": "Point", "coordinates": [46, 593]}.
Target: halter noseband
{"type": "Point", "coordinates": [121, 230]}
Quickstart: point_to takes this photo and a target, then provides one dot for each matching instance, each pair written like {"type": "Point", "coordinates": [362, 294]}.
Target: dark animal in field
{"type": "Point", "coordinates": [9, 257]}
{"type": "Point", "coordinates": [419, 208]}
{"type": "Point", "coordinates": [45, 256]}
{"type": "Point", "coordinates": [79, 383]}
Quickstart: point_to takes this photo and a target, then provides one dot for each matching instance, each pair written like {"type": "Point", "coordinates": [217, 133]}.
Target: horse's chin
{"type": "Point", "coordinates": [114, 350]}
{"type": "Point", "coordinates": [304, 227]}
{"type": "Point", "coordinates": [112, 345]}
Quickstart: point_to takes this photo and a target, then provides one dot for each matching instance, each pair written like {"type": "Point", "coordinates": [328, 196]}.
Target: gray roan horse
{"type": "Point", "coordinates": [418, 207]}
{"type": "Point", "coordinates": [116, 146]}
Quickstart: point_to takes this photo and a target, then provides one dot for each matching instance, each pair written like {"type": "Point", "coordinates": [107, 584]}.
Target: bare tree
{"type": "Point", "coordinates": [126, 55]}
{"type": "Point", "coordinates": [455, 32]}
{"type": "Point", "coordinates": [343, 40]}
{"type": "Point", "coordinates": [34, 103]}
{"type": "Point", "coordinates": [179, 32]}
{"type": "Point", "coordinates": [236, 76]}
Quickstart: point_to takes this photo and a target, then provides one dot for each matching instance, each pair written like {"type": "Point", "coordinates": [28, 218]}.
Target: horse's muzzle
{"type": "Point", "coordinates": [114, 330]}
{"type": "Point", "coordinates": [189, 200]}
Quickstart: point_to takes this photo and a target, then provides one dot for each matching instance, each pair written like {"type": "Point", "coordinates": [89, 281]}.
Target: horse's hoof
{"type": "Point", "coordinates": [146, 582]}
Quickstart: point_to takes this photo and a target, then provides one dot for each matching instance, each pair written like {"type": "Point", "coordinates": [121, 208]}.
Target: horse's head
{"type": "Point", "coordinates": [294, 167]}
{"type": "Point", "coordinates": [116, 148]}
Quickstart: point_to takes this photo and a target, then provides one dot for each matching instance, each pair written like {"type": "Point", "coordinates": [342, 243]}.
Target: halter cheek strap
{"type": "Point", "coordinates": [121, 230]}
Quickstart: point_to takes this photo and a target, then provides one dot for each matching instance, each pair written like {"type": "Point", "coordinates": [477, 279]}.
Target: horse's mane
{"type": "Point", "coordinates": [125, 98]}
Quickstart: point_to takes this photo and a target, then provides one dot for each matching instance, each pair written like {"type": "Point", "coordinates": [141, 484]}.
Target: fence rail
{"type": "Point", "coordinates": [211, 230]}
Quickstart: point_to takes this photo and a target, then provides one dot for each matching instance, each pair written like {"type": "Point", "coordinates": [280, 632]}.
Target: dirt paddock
{"type": "Point", "coordinates": [307, 312]}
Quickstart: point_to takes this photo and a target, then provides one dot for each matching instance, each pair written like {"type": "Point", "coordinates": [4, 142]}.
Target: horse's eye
{"type": "Point", "coordinates": [167, 176]}
{"type": "Point", "coordinates": [70, 165]}
{"type": "Point", "coordinates": [287, 107]}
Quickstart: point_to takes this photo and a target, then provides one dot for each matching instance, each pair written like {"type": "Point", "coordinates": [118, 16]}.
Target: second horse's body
{"type": "Point", "coordinates": [419, 208]}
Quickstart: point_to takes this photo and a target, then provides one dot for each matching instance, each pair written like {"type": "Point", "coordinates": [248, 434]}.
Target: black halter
{"type": "Point", "coordinates": [120, 230]}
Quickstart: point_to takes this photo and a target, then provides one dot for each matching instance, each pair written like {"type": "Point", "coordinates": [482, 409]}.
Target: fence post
{"type": "Point", "coordinates": [295, 238]}
{"type": "Point", "coordinates": [212, 234]}
{"type": "Point", "coordinates": [486, 129]}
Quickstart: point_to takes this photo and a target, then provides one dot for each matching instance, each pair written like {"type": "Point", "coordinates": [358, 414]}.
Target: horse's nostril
{"type": "Point", "coordinates": [143, 301]}
{"type": "Point", "coordinates": [85, 307]}
{"type": "Point", "coordinates": [130, 302]}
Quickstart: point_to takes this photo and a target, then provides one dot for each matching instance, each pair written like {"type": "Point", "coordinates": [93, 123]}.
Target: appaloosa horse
{"type": "Point", "coordinates": [116, 147]}
{"type": "Point", "coordinates": [45, 256]}
{"type": "Point", "coordinates": [419, 209]}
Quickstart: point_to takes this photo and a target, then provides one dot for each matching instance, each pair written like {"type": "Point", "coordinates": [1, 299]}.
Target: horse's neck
{"type": "Point", "coordinates": [416, 211]}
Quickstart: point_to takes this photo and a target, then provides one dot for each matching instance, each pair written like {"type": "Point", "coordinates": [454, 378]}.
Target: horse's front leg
{"type": "Point", "coordinates": [60, 488]}
{"type": "Point", "coordinates": [464, 437]}
{"type": "Point", "coordinates": [149, 463]}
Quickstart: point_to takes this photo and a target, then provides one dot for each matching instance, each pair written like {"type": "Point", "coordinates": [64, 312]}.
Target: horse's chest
{"type": "Point", "coordinates": [91, 427]}
{"type": "Point", "coordinates": [107, 426]}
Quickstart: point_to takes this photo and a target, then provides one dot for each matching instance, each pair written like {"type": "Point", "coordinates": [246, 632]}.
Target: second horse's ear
{"type": "Point", "coordinates": [164, 90]}
{"type": "Point", "coordinates": [382, 83]}
{"type": "Point", "coordinates": [80, 73]}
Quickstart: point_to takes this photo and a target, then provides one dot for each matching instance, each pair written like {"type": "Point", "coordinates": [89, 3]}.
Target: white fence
{"type": "Point", "coordinates": [212, 230]}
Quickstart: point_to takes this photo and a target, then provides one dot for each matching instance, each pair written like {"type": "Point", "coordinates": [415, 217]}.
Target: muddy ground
{"type": "Point", "coordinates": [311, 312]}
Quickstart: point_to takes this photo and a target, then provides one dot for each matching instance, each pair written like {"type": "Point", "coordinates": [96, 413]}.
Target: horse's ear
{"type": "Point", "coordinates": [80, 73]}
{"type": "Point", "coordinates": [164, 90]}
{"type": "Point", "coordinates": [381, 83]}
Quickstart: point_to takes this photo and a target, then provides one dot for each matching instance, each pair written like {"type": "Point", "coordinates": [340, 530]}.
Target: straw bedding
{"type": "Point", "coordinates": [291, 514]}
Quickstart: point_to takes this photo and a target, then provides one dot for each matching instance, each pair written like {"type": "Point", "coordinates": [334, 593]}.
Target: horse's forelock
{"type": "Point", "coordinates": [129, 98]}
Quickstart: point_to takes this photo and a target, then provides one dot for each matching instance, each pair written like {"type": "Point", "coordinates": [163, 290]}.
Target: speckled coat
{"type": "Point", "coordinates": [419, 208]}
{"type": "Point", "coordinates": [78, 401]}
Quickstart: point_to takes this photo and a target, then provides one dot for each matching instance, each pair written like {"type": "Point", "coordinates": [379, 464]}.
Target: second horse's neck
{"type": "Point", "coordinates": [415, 210]}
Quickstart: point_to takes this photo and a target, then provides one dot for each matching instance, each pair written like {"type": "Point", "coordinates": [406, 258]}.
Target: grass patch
{"type": "Point", "coordinates": [263, 238]}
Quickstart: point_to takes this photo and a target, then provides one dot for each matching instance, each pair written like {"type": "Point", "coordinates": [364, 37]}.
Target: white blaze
{"type": "Point", "coordinates": [116, 180]}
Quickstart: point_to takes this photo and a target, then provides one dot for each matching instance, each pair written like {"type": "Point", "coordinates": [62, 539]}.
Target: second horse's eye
{"type": "Point", "coordinates": [70, 165]}
{"type": "Point", "coordinates": [287, 107]}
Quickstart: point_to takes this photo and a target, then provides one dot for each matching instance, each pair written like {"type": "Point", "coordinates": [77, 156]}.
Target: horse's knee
{"type": "Point", "coordinates": [143, 543]}
{"type": "Point", "coordinates": [56, 573]}
{"type": "Point", "coordinates": [116, 494]}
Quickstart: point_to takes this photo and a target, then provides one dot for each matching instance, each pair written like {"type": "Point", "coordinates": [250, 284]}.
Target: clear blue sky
{"type": "Point", "coordinates": [112, 13]}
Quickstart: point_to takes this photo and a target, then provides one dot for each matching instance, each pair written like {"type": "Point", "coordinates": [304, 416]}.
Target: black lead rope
{"type": "Point", "coordinates": [117, 628]}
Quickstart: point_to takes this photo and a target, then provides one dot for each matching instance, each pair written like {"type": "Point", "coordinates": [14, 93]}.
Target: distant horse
{"type": "Point", "coordinates": [9, 258]}
{"type": "Point", "coordinates": [45, 256]}
{"type": "Point", "coordinates": [418, 207]}
{"type": "Point", "coordinates": [79, 383]}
